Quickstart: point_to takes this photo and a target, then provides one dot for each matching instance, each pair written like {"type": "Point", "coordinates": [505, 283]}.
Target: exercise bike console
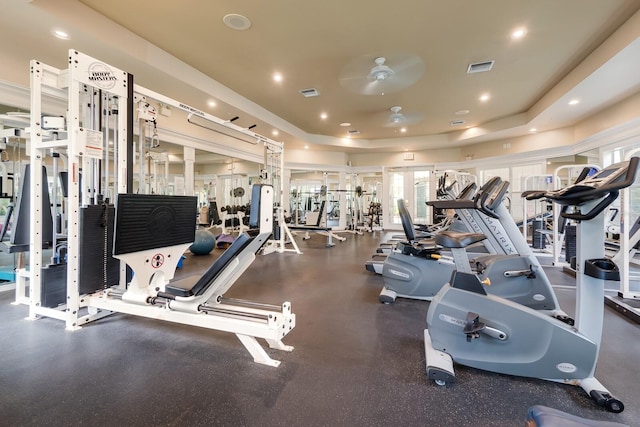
{"type": "Point", "coordinates": [607, 183]}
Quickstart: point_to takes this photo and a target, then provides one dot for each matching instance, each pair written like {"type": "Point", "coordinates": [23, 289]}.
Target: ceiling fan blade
{"type": "Point", "coordinates": [373, 87]}
{"type": "Point", "coordinates": [356, 75]}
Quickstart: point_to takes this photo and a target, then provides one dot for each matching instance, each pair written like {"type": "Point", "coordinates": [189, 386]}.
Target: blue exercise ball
{"type": "Point", "coordinates": [203, 243]}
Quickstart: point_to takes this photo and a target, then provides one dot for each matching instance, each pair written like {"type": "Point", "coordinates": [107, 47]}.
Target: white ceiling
{"type": "Point", "coordinates": [583, 49]}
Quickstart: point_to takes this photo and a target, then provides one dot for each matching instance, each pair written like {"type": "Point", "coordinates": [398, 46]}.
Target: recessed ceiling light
{"type": "Point", "coordinates": [275, 132]}
{"type": "Point", "coordinates": [211, 103]}
{"type": "Point", "coordinates": [403, 130]}
{"type": "Point", "coordinates": [533, 130]}
{"type": "Point", "coordinates": [574, 102]}
{"type": "Point", "coordinates": [306, 147]}
{"type": "Point", "coordinates": [461, 112]}
{"type": "Point", "coordinates": [518, 33]}
{"type": "Point", "coordinates": [277, 77]}
{"type": "Point", "coordinates": [324, 116]}
{"type": "Point", "coordinates": [61, 34]}
{"type": "Point", "coordinates": [484, 97]}
{"type": "Point", "coordinates": [236, 22]}
{"type": "Point", "coordinates": [345, 124]}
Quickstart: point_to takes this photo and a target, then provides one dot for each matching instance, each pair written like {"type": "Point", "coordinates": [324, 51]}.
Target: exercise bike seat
{"type": "Point", "coordinates": [456, 239]}
{"type": "Point", "coordinates": [543, 416]}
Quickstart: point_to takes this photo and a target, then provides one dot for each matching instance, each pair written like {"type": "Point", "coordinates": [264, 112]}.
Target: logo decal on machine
{"type": "Point", "coordinates": [102, 76]}
{"type": "Point", "coordinates": [157, 260]}
{"type": "Point", "coordinates": [399, 273]}
{"type": "Point", "coordinates": [566, 367]}
{"type": "Point", "coordinates": [452, 320]}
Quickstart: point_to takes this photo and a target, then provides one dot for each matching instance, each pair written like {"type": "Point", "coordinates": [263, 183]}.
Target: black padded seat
{"type": "Point", "coordinates": [544, 416]}
{"type": "Point", "coordinates": [455, 239]}
{"type": "Point", "coordinates": [419, 250]}
{"type": "Point", "coordinates": [452, 204]}
{"type": "Point", "coordinates": [212, 272]}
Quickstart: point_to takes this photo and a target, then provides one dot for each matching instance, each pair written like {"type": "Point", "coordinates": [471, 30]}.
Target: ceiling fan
{"type": "Point", "coordinates": [396, 118]}
{"type": "Point", "coordinates": [379, 75]}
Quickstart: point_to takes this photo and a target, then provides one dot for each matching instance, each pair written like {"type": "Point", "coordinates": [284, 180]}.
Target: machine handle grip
{"type": "Point", "coordinates": [490, 185]}
{"type": "Point", "coordinates": [488, 205]}
{"type": "Point", "coordinates": [533, 194]}
{"type": "Point", "coordinates": [467, 192]}
{"type": "Point", "coordinates": [584, 191]}
{"type": "Point", "coordinates": [604, 203]}
{"type": "Point", "coordinates": [499, 195]}
{"type": "Point", "coordinates": [628, 180]}
{"type": "Point", "coordinates": [539, 194]}
{"type": "Point", "coordinates": [630, 177]}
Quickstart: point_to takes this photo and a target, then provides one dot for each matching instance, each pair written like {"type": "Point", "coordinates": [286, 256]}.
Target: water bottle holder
{"type": "Point", "coordinates": [602, 268]}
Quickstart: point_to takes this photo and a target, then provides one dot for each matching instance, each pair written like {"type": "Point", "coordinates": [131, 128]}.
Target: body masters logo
{"type": "Point", "coordinates": [102, 76]}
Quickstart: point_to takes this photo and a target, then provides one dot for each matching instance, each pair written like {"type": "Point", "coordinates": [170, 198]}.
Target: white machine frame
{"type": "Point", "coordinates": [85, 147]}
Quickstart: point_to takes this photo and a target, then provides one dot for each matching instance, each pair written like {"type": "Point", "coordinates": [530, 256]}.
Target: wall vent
{"type": "Point", "coordinates": [354, 132]}
{"type": "Point", "coordinates": [456, 122]}
{"type": "Point", "coordinates": [308, 93]}
{"type": "Point", "coordinates": [480, 67]}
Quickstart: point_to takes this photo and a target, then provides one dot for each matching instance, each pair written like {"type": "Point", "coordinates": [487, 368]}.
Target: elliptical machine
{"type": "Point", "coordinates": [473, 328]}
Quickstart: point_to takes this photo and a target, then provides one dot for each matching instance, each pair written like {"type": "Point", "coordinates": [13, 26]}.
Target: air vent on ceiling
{"type": "Point", "coordinates": [480, 67]}
{"type": "Point", "coordinates": [354, 132]}
{"type": "Point", "coordinates": [456, 122]}
{"type": "Point", "coordinates": [308, 93]}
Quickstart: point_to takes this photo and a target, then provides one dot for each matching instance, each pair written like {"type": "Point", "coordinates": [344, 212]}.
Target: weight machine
{"type": "Point", "coordinates": [93, 282]}
{"type": "Point", "coordinates": [539, 213]}
{"type": "Point", "coordinates": [273, 172]}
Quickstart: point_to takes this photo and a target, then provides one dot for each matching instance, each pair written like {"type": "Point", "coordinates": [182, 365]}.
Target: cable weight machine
{"type": "Point", "coordinates": [96, 285]}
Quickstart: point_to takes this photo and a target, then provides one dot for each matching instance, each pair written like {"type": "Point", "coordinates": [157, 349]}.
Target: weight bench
{"type": "Point", "coordinates": [187, 288]}
{"type": "Point", "coordinates": [318, 228]}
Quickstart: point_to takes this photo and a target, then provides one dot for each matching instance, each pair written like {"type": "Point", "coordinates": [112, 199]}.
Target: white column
{"type": "Point", "coordinates": [189, 175]}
